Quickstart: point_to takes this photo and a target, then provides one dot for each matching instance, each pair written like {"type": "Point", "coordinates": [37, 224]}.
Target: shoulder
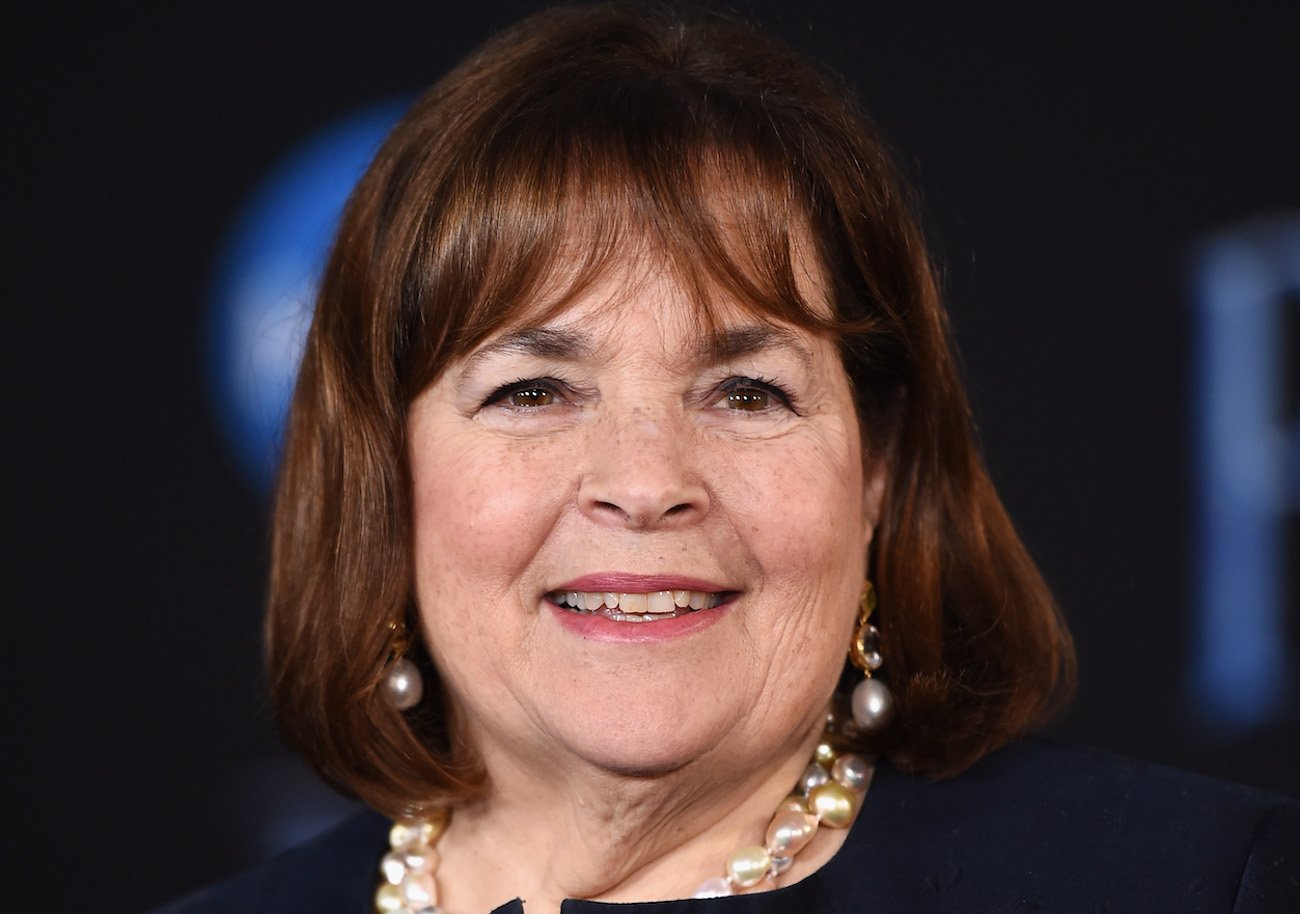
{"type": "Point", "coordinates": [333, 872]}
{"type": "Point", "coordinates": [1069, 829]}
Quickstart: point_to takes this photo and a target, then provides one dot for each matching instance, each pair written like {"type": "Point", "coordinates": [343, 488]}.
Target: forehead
{"type": "Point", "coordinates": [621, 288]}
{"type": "Point", "coordinates": [642, 303]}
{"type": "Point", "coordinates": [600, 264]}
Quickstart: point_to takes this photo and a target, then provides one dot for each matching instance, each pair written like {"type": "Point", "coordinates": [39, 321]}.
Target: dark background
{"type": "Point", "coordinates": [1070, 157]}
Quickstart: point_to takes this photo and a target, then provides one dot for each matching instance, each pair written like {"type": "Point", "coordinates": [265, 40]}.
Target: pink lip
{"type": "Point", "coordinates": [599, 627]}
{"type": "Point", "coordinates": [623, 582]}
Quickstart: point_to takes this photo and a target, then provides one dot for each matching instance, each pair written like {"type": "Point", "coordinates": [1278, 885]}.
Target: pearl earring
{"type": "Point", "coordinates": [403, 684]}
{"type": "Point", "coordinates": [872, 703]}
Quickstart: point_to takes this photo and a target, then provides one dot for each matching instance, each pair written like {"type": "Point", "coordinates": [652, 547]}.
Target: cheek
{"type": "Point", "coordinates": [480, 513]}
{"type": "Point", "coordinates": [799, 502]}
{"type": "Point", "coordinates": [801, 512]}
{"type": "Point", "coordinates": [478, 520]}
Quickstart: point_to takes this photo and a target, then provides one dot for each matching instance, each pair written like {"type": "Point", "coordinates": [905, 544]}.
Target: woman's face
{"type": "Point", "coordinates": [615, 453]}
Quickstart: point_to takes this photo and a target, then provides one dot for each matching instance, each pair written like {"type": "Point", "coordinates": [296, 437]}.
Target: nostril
{"type": "Point", "coordinates": [642, 502]}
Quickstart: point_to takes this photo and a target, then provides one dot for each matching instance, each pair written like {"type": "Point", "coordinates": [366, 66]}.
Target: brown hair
{"type": "Point", "coordinates": [719, 149]}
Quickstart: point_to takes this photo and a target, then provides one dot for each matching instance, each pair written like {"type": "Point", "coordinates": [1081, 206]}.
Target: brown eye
{"type": "Point", "coordinates": [531, 396]}
{"type": "Point", "coordinates": [527, 394]}
{"type": "Point", "coordinates": [755, 395]}
{"type": "Point", "coordinates": [749, 399]}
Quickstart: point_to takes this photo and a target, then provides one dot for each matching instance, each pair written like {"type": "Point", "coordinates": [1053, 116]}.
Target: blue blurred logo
{"type": "Point", "coordinates": [266, 281]}
{"type": "Point", "coordinates": [1245, 280]}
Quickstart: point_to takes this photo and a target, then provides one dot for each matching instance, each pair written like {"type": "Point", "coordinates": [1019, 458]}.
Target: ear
{"type": "Point", "coordinates": [875, 477]}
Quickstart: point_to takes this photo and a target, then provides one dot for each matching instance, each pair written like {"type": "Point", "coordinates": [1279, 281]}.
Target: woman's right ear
{"type": "Point", "coordinates": [875, 477]}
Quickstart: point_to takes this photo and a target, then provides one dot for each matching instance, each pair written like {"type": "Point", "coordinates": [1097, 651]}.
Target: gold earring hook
{"type": "Point", "coordinates": [399, 640]}
{"type": "Point", "coordinates": [865, 656]}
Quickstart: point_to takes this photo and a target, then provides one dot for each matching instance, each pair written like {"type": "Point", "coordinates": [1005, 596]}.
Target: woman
{"type": "Point", "coordinates": [627, 399]}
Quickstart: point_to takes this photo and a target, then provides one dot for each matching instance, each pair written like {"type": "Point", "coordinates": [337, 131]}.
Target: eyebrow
{"type": "Point", "coordinates": [712, 349]}
{"type": "Point", "coordinates": [543, 342]}
{"type": "Point", "coordinates": [736, 342]}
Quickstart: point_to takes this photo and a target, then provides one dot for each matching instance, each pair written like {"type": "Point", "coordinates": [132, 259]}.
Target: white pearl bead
{"type": "Point", "coordinates": [393, 867]}
{"type": "Point", "coordinates": [420, 859]}
{"type": "Point", "coordinates": [789, 832]}
{"type": "Point", "coordinates": [872, 704]}
{"type": "Point", "coordinates": [813, 776]}
{"type": "Point", "coordinates": [853, 771]}
{"type": "Point", "coordinates": [713, 888]}
{"type": "Point", "coordinates": [403, 685]}
{"type": "Point", "coordinates": [418, 890]}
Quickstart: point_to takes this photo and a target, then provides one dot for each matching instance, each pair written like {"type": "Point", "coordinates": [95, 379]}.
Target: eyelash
{"type": "Point", "coordinates": [558, 388]}
{"type": "Point", "coordinates": [767, 385]}
{"type": "Point", "coordinates": [553, 386]}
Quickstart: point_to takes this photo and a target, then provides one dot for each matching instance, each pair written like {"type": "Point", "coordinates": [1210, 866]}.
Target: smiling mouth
{"type": "Point", "coordinates": [637, 607]}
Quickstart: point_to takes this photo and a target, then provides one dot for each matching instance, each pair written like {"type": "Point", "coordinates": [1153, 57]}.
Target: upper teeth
{"type": "Point", "coordinates": [660, 601]}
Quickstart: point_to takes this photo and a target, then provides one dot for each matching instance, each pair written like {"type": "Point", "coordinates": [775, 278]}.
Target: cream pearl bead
{"type": "Point", "coordinates": [795, 801]}
{"type": "Point", "coordinates": [824, 754]}
{"type": "Point", "coordinates": [406, 833]}
{"type": "Point", "coordinates": [388, 898]}
{"type": "Point", "coordinates": [833, 804]}
{"type": "Point", "coordinates": [748, 866]}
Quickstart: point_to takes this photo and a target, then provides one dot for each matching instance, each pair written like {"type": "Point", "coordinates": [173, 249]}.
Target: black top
{"type": "Point", "coordinates": [1032, 827]}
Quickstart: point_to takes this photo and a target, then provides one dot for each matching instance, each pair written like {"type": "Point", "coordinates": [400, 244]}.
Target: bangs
{"type": "Point", "coordinates": [564, 187]}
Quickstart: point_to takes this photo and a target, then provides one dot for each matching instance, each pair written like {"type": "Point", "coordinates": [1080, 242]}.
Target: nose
{"type": "Point", "coordinates": [643, 473]}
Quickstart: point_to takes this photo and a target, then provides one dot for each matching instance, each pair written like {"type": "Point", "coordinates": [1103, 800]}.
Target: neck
{"type": "Point", "coordinates": [595, 834]}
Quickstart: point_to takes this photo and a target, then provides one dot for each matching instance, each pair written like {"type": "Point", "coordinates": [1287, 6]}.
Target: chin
{"type": "Point", "coordinates": [639, 769]}
{"type": "Point", "coordinates": [640, 748]}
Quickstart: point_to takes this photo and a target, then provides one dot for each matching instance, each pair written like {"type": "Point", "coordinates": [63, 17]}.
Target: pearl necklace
{"type": "Point", "coordinates": [829, 793]}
